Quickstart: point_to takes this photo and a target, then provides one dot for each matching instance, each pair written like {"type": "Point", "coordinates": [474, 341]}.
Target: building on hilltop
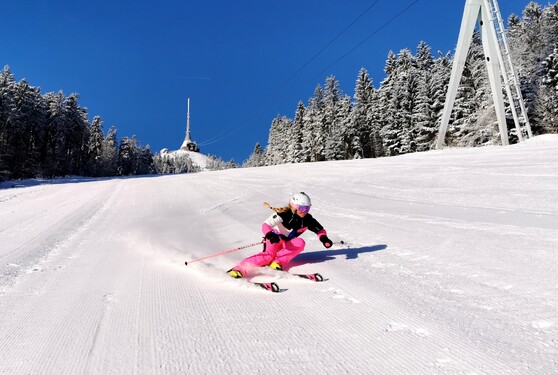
{"type": "Point", "coordinates": [188, 144]}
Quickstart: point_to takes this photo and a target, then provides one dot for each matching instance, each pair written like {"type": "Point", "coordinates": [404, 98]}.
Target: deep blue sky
{"type": "Point", "coordinates": [135, 63]}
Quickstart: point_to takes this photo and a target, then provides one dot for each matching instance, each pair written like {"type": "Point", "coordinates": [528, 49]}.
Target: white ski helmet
{"type": "Point", "coordinates": [300, 199]}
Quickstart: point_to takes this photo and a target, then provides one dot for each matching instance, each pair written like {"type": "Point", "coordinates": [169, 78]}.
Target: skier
{"type": "Point", "coordinates": [282, 231]}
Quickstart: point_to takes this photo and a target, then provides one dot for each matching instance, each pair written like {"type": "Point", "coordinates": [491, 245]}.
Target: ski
{"type": "Point", "coordinates": [271, 287]}
{"type": "Point", "coordinates": [316, 277]}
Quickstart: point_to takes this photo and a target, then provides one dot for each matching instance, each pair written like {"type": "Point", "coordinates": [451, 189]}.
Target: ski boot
{"type": "Point", "coordinates": [276, 266]}
{"type": "Point", "coordinates": [234, 273]}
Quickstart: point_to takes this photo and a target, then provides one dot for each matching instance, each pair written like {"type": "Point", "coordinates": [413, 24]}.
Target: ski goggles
{"type": "Point", "coordinates": [303, 208]}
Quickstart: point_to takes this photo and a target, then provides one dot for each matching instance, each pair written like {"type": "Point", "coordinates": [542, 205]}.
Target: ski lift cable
{"type": "Point", "coordinates": [368, 38]}
{"type": "Point", "coordinates": [222, 135]}
{"type": "Point", "coordinates": [225, 134]}
{"type": "Point", "coordinates": [326, 46]}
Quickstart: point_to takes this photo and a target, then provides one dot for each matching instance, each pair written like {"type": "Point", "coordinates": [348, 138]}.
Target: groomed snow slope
{"type": "Point", "coordinates": [449, 267]}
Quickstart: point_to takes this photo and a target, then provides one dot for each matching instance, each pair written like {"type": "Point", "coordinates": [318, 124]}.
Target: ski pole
{"type": "Point", "coordinates": [224, 252]}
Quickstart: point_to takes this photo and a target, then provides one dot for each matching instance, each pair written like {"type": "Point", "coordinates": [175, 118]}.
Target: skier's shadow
{"type": "Point", "coordinates": [326, 255]}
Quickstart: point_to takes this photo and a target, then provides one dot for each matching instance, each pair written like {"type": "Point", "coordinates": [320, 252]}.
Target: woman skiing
{"type": "Point", "coordinates": [282, 231]}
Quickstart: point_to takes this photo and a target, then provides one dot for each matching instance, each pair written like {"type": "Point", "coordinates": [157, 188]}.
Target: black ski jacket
{"type": "Point", "coordinates": [289, 225]}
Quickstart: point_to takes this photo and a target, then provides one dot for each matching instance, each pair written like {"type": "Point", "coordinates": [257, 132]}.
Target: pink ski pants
{"type": "Point", "coordinates": [282, 252]}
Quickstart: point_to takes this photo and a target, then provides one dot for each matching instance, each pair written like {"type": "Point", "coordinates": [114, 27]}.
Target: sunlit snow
{"type": "Point", "coordinates": [449, 266]}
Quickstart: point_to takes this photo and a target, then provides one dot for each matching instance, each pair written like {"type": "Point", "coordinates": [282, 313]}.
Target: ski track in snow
{"type": "Point", "coordinates": [444, 270]}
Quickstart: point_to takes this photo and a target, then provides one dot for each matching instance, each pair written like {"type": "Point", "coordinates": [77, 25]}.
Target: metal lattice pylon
{"type": "Point", "coordinates": [498, 63]}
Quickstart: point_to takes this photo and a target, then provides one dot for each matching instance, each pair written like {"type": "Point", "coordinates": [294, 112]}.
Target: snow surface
{"type": "Point", "coordinates": [449, 267]}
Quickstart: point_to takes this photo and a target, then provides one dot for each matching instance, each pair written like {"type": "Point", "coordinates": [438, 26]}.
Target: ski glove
{"type": "Point", "coordinates": [272, 237]}
{"type": "Point", "coordinates": [326, 241]}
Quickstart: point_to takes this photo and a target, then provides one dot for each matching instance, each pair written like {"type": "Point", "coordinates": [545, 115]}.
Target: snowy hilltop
{"type": "Point", "coordinates": [447, 266]}
{"type": "Point", "coordinates": [184, 161]}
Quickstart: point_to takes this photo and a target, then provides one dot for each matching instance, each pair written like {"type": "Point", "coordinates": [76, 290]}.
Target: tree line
{"type": "Point", "coordinates": [403, 114]}
{"type": "Point", "coordinates": [50, 136]}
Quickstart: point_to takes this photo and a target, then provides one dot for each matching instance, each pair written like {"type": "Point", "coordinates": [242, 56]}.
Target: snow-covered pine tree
{"type": "Point", "coordinates": [527, 50]}
{"type": "Point", "coordinates": [144, 161]}
{"type": "Point", "coordinates": [313, 137]}
{"type": "Point", "coordinates": [273, 143]}
{"type": "Point", "coordinates": [256, 159]}
{"type": "Point", "coordinates": [550, 27]}
{"type": "Point", "coordinates": [332, 96]}
{"type": "Point", "coordinates": [550, 65]}
{"type": "Point", "coordinates": [162, 163]}
{"type": "Point", "coordinates": [407, 92]}
{"type": "Point", "coordinates": [424, 60]}
{"type": "Point", "coordinates": [547, 103]}
{"type": "Point", "coordinates": [549, 91]}
{"type": "Point", "coordinates": [398, 131]}
{"type": "Point", "coordinates": [333, 121]}
{"type": "Point", "coordinates": [95, 147]}
{"type": "Point", "coordinates": [215, 163]}
{"type": "Point", "coordinates": [166, 162]}
{"type": "Point", "coordinates": [278, 142]}
{"type": "Point", "coordinates": [286, 125]}
{"type": "Point", "coordinates": [374, 119]}
{"type": "Point", "coordinates": [526, 40]}
{"type": "Point", "coordinates": [127, 156]}
{"type": "Point", "coordinates": [109, 156]}
{"type": "Point", "coordinates": [182, 164]}
{"type": "Point", "coordinates": [76, 135]}
{"type": "Point", "coordinates": [336, 144]}
{"type": "Point", "coordinates": [25, 128]}
{"type": "Point", "coordinates": [545, 108]}
{"type": "Point", "coordinates": [53, 153]}
{"type": "Point", "coordinates": [437, 89]}
{"type": "Point", "coordinates": [359, 126]}
{"type": "Point", "coordinates": [423, 116]}
{"type": "Point", "coordinates": [7, 83]}
{"type": "Point", "coordinates": [295, 152]}
{"type": "Point", "coordinates": [387, 110]}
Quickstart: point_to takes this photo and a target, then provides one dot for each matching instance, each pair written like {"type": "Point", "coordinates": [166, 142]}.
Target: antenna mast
{"type": "Point", "coordinates": [188, 139]}
{"type": "Point", "coordinates": [188, 144]}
